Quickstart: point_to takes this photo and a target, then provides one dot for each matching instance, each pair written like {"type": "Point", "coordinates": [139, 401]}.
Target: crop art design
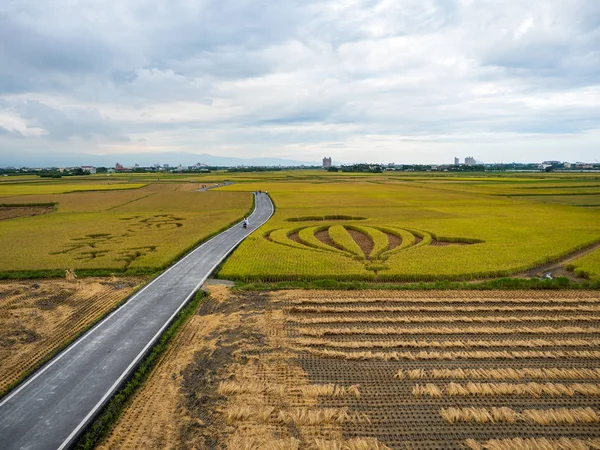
{"type": "Point", "coordinates": [370, 244]}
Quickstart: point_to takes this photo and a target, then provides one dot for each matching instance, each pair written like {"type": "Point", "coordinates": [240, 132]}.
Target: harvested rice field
{"type": "Point", "coordinates": [418, 370]}
{"type": "Point", "coordinates": [38, 317]}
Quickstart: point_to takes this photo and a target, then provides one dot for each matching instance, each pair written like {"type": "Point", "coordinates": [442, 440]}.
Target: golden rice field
{"type": "Point", "coordinates": [131, 229]}
{"type": "Point", "coordinates": [9, 190]}
{"type": "Point", "coordinates": [360, 371]}
{"type": "Point", "coordinates": [390, 227]}
{"type": "Point", "coordinates": [587, 266]}
{"type": "Point", "coordinates": [345, 226]}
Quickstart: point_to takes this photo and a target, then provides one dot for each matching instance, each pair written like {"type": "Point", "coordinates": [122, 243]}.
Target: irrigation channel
{"type": "Point", "coordinates": [52, 407]}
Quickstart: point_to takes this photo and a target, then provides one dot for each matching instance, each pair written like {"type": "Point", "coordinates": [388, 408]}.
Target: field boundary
{"type": "Point", "coordinates": [556, 264]}
{"type": "Point", "coordinates": [560, 283]}
{"type": "Point", "coordinates": [112, 411]}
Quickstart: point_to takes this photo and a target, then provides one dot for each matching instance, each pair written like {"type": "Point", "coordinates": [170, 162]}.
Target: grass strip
{"type": "Point", "coordinates": [113, 410]}
{"type": "Point", "coordinates": [22, 205]}
{"type": "Point", "coordinates": [560, 283]}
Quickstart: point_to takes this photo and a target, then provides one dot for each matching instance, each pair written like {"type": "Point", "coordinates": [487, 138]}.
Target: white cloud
{"type": "Point", "coordinates": [410, 80]}
{"type": "Point", "coordinates": [12, 122]}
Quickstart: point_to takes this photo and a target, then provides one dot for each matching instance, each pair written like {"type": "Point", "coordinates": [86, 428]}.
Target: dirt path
{"type": "Point", "coordinates": [557, 268]}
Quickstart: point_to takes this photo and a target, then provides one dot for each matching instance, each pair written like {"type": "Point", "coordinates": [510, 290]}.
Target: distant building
{"type": "Point", "coordinates": [89, 169]}
{"type": "Point", "coordinates": [119, 168]}
{"type": "Point", "coordinates": [470, 161]}
{"type": "Point", "coordinates": [198, 166]}
{"type": "Point", "coordinates": [456, 161]}
{"type": "Point", "coordinates": [326, 162]}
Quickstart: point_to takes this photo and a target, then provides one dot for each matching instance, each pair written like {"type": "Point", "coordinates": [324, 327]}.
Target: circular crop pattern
{"type": "Point", "coordinates": [371, 244]}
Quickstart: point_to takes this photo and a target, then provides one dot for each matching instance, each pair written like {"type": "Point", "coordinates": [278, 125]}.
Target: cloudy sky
{"type": "Point", "coordinates": [413, 81]}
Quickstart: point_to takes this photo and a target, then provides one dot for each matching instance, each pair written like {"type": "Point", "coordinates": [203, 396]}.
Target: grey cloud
{"type": "Point", "coordinates": [251, 73]}
{"type": "Point", "coordinates": [66, 123]}
{"type": "Point", "coordinates": [44, 61]}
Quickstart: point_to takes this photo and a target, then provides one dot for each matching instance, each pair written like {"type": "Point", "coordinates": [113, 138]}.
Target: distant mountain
{"type": "Point", "coordinates": [143, 159]}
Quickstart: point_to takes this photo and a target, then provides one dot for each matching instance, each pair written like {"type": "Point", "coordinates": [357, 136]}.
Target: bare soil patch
{"type": "Point", "coordinates": [295, 237]}
{"type": "Point", "coordinates": [251, 370]}
{"type": "Point", "coordinates": [393, 241]}
{"type": "Point", "coordinates": [37, 317]}
{"type": "Point", "coordinates": [365, 243]}
{"type": "Point", "coordinates": [13, 212]}
{"type": "Point", "coordinates": [324, 237]}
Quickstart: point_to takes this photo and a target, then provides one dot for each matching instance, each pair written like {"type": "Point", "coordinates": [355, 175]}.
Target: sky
{"type": "Point", "coordinates": [405, 81]}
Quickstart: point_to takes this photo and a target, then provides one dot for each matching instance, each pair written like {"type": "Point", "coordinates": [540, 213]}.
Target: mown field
{"type": "Point", "coordinates": [127, 228]}
{"type": "Point", "coordinates": [374, 370]}
{"type": "Point", "coordinates": [392, 227]}
{"type": "Point", "coordinates": [38, 317]}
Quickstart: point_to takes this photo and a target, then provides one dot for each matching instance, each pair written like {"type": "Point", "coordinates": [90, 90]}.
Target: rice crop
{"type": "Point", "coordinates": [320, 416]}
{"type": "Point", "coordinates": [140, 230]}
{"type": "Point", "coordinates": [343, 240]}
{"type": "Point", "coordinates": [534, 444]}
{"type": "Point", "coordinates": [327, 390]}
{"type": "Point", "coordinates": [238, 413]}
{"type": "Point", "coordinates": [238, 442]}
{"type": "Point", "coordinates": [247, 387]}
{"type": "Point", "coordinates": [453, 308]}
{"type": "Point", "coordinates": [328, 331]}
{"type": "Point", "coordinates": [379, 238]}
{"type": "Point", "coordinates": [501, 373]}
{"type": "Point", "coordinates": [390, 344]}
{"type": "Point", "coordinates": [587, 266]}
{"type": "Point", "coordinates": [433, 355]}
{"type": "Point", "coordinates": [524, 389]}
{"type": "Point", "coordinates": [553, 416]}
{"type": "Point", "coordinates": [62, 187]}
{"type": "Point", "coordinates": [448, 319]}
{"type": "Point", "coordinates": [507, 235]}
{"type": "Point", "coordinates": [350, 444]}
{"type": "Point", "coordinates": [330, 298]}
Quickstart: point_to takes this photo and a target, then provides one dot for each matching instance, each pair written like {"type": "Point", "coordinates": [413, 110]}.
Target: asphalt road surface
{"type": "Point", "coordinates": [52, 407]}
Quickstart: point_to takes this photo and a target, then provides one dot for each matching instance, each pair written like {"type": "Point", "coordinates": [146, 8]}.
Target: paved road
{"type": "Point", "coordinates": [50, 409]}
